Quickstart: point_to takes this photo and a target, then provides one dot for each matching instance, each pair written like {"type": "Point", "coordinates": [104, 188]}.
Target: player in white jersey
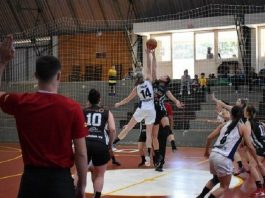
{"type": "Point", "coordinates": [146, 110]}
{"type": "Point", "coordinates": [240, 102]}
{"type": "Point", "coordinates": [220, 160]}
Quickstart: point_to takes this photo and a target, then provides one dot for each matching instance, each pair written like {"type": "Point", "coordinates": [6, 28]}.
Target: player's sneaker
{"type": "Point", "coordinates": [113, 147]}
{"type": "Point", "coordinates": [174, 149]}
{"type": "Point", "coordinates": [147, 161]}
{"type": "Point", "coordinates": [141, 164]}
{"type": "Point", "coordinates": [158, 161]}
{"type": "Point", "coordinates": [116, 163]}
{"type": "Point", "coordinates": [258, 193]}
{"type": "Point", "coordinates": [159, 168]}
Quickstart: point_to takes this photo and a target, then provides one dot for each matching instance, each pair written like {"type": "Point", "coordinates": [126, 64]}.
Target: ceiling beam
{"type": "Point", "coordinates": [51, 14]}
{"type": "Point", "coordinates": [91, 10]}
{"type": "Point", "coordinates": [131, 4]}
{"type": "Point", "coordinates": [70, 4]}
{"type": "Point", "coordinates": [103, 13]}
{"type": "Point", "coordinates": [14, 13]}
{"type": "Point", "coordinates": [117, 9]}
{"type": "Point", "coordinates": [156, 8]}
{"type": "Point", "coordinates": [40, 9]}
{"type": "Point", "coordinates": [172, 6]}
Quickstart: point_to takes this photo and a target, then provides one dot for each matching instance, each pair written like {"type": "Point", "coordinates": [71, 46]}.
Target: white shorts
{"type": "Point", "coordinates": [149, 115]}
{"type": "Point", "coordinates": [220, 165]}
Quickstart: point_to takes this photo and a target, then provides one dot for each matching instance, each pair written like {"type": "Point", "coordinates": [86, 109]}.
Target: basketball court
{"type": "Point", "coordinates": [205, 48]}
{"type": "Point", "coordinates": [185, 174]}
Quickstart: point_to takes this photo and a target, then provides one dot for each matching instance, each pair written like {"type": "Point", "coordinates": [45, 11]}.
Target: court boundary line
{"type": "Point", "coordinates": [9, 160]}
{"type": "Point", "coordinates": [11, 176]}
{"type": "Point", "coordinates": [151, 178]}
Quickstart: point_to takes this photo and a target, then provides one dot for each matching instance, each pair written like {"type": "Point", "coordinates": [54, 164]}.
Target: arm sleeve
{"type": "Point", "coordinates": [79, 128]}
{"type": "Point", "coordinates": [9, 103]}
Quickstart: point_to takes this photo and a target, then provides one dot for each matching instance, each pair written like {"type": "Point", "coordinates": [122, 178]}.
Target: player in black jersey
{"type": "Point", "coordinates": [98, 141]}
{"type": "Point", "coordinates": [141, 143]}
{"type": "Point", "coordinates": [258, 141]}
{"type": "Point", "coordinates": [160, 93]}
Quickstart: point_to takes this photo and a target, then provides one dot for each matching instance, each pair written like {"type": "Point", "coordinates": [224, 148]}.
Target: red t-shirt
{"type": "Point", "coordinates": [169, 109]}
{"type": "Point", "coordinates": [46, 124]}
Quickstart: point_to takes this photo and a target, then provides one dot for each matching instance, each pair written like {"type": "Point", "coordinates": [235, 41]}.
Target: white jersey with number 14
{"type": "Point", "coordinates": [146, 94]}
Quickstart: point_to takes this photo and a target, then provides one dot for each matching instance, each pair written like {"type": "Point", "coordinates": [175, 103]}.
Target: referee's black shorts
{"type": "Point", "coordinates": [98, 152]}
{"type": "Point", "coordinates": [43, 182]}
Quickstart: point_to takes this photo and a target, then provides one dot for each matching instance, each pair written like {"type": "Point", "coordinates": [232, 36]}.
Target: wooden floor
{"type": "Point", "coordinates": [185, 174]}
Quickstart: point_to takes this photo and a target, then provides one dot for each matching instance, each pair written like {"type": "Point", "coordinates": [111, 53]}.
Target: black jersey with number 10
{"type": "Point", "coordinates": [96, 120]}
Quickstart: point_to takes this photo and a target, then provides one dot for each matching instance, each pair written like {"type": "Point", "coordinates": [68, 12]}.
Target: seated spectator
{"type": "Point", "coordinates": [260, 79]}
{"type": "Point", "coordinates": [211, 79]}
{"type": "Point", "coordinates": [195, 83]}
{"type": "Point", "coordinates": [185, 82]}
{"type": "Point", "coordinates": [223, 70]}
{"type": "Point", "coordinates": [203, 82]}
{"type": "Point", "coordinates": [212, 76]}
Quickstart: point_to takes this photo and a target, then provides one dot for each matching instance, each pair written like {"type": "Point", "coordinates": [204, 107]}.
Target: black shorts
{"type": "Point", "coordinates": [98, 152]}
{"type": "Point", "coordinates": [45, 182]}
{"type": "Point", "coordinates": [260, 152]}
{"type": "Point", "coordinates": [142, 137]}
{"type": "Point", "coordinates": [160, 113]}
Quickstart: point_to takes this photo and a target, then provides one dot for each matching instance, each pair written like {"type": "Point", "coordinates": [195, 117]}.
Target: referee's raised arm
{"type": "Point", "coordinates": [7, 53]}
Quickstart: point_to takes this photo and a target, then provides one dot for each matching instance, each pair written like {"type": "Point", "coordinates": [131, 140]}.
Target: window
{"type": "Point", "coordinates": [204, 45]}
{"type": "Point", "coordinates": [163, 48]}
{"type": "Point", "coordinates": [227, 44]}
{"type": "Point", "coordinates": [262, 42]}
{"type": "Point", "coordinates": [183, 53]}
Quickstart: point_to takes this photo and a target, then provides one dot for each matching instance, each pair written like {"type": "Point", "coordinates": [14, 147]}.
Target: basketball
{"type": "Point", "coordinates": [151, 44]}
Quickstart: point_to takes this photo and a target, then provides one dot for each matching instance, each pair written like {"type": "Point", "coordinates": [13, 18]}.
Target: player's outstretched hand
{"type": "Point", "coordinates": [213, 97]}
{"type": "Point", "coordinates": [7, 50]}
{"type": "Point", "coordinates": [148, 51]}
{"type": "Point", "coordinates": [117, 105]}
{"type": "Point", "coordinates": [180, 105]}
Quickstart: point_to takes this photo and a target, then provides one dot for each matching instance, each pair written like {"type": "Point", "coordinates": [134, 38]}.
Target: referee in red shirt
{"type": "Point", "coordinates": [47, 124]}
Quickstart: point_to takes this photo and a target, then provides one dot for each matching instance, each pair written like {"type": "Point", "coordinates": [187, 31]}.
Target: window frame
{"type": "Point", "coordinates": [238, 50]}
{"type": "Point", "coordinates": [195, 45]}
{"type": "Point", "coordinates": [153, 36]}
{"type": "Point", "coordinates": [260, 43]}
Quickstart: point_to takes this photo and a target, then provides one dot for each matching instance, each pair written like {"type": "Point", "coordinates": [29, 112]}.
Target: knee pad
{"type": "Point", "coordinates": [215, 180]}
